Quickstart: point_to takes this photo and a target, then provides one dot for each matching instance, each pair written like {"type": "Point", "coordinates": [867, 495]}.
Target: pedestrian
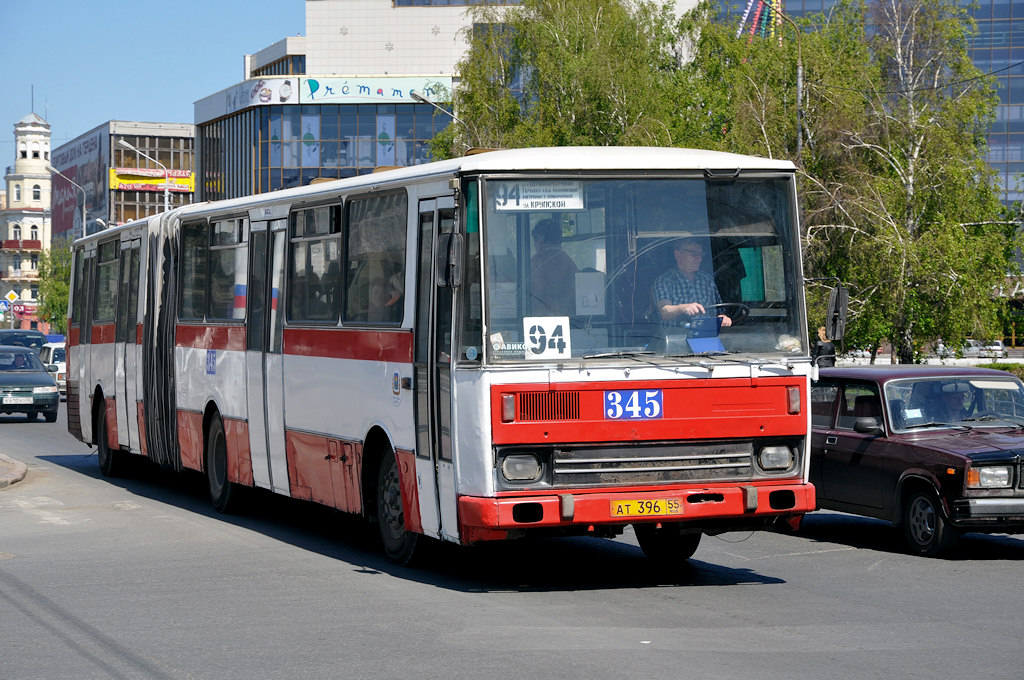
{"type": "Point", "coordinates": [824, 352]}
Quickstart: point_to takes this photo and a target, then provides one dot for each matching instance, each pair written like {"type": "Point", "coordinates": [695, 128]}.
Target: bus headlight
{"type": "Point", "coordinates": [521, 467]}
{"type": "Point", "coordinates": [775, 458]}
{"type": "Point", "coordinates": [989, 477]}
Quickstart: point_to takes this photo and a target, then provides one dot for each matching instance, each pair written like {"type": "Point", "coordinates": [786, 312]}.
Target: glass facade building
{"type": "Point", "coordinates": [998, 48]}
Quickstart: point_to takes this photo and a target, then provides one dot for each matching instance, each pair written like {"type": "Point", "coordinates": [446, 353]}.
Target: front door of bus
{"type": "Point", "coordinates": [264, 374]}
{"type": "Point", "coordinates": [126, 360]}
{"type": "Point", "coordinates": [435, 467]}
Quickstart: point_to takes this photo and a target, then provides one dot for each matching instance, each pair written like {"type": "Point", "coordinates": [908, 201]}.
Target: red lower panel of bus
{"type": "Point", "coordinates": [141, 412]}
{"type": "Point", "coordinates": [190, 439]}
{"type": "Point", "coordinates": [110, 413]}
{"type": "Point", "coordinates": [483, 519]}
{"type": "Point", "coordinates": [236, 432]}
{"type": "Point", "coordinates": [325, 470]}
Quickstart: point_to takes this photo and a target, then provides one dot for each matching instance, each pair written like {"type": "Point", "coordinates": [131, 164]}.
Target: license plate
{"type": "Point", "coordinates": [648, 507]}
{"type": "Point", "coordinates": [17, 400]}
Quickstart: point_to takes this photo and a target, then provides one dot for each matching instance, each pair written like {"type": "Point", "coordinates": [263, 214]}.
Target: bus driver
{"type": "Point", "coordinates": [686, 291]}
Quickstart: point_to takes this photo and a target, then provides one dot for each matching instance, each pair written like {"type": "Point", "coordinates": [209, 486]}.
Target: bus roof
{"type": "Point", "coordinates": [540, 159]}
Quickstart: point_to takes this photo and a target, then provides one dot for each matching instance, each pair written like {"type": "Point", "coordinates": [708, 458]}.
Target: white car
{"type": "Point", "coordinates": [54, 357]}
{"type": "Point", "coordinates": [995, 349]}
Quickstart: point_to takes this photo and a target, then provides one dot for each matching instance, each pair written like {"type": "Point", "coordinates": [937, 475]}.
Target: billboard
{"type": "Point", "coordinates": [379, 90]}
{"type": "Point", "coordinates": [152, 179]}
{"type": "Point", "coordinates": [83, 161]}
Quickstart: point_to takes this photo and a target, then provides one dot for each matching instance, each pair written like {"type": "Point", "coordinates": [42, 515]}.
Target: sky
{"type": "Point", "coordinates": [91, 61]}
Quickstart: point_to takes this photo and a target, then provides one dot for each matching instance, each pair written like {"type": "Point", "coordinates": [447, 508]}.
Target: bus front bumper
{"type": "Point", "coordinates": [725, 508]}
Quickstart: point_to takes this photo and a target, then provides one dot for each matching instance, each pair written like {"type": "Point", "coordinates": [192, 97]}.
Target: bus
{"type": "Point", "coordinates": [468, 350]}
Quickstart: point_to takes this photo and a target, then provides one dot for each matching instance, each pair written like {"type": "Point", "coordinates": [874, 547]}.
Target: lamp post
{"type": "Point", "coordinates": [799, 82]}
{"type": "Point", "coordinates": [74, 184]}
{"type": "Point", "coordinates": [167, 175]}
{"type": "Point", "coordinates": [423, 100]}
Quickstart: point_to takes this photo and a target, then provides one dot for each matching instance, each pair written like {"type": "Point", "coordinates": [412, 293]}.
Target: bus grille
{"type": "Point", "coordinates": [549, 406]}
{"type": "Point", "coordinates": [705, 461]}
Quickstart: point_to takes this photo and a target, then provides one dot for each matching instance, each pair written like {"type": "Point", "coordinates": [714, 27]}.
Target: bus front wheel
{"type": "Point", "coordinates": [399, 544]}
{"type": "Point", "coordinates": [667, 543]}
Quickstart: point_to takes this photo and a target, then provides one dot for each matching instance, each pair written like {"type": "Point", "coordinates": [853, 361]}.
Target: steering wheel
{"type": "Point", "coordinates": [741, 310]}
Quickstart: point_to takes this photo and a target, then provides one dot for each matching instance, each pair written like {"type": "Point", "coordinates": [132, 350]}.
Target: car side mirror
{"type": "Point", "coordinates": [52, 368]}
{"type": "Point", "coordinates": [868, 425]}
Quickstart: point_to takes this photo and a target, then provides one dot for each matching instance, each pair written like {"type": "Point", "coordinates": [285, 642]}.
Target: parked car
{"type": "Point", "coordinates": [995, 349]}
{"type": "Point", "coordinates": [25, 385]}
{"type": "Point", "coordinates": [971, 349]}
{"type": "Point", "coordinates": [937, 450]}
{"type": "Point", "coordinates": [54, 358]}
{"type": "Point", "coordinates": [22, 338]}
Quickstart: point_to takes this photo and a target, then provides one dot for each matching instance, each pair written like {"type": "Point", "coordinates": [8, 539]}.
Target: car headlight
{"type": "Point", "coordinates": [523, 467]}
{"type": "Point", "coordinates": [48, 389]}
{"type": "Point", "coordinates": [775, 458]}
{"type": "Point", "coordinates": [989, 477]}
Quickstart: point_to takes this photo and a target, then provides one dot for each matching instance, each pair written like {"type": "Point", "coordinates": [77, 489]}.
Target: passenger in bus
{"type": "Point", "coordinates": [552, 273]}
{"type": "Point", "coordinates": [685, 291]}
{"type": "Point", "coordinates": [385, 299]}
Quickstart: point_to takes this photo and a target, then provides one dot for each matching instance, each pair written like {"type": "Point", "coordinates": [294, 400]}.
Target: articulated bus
{"type": "Point", "coordinates": [468, 350]}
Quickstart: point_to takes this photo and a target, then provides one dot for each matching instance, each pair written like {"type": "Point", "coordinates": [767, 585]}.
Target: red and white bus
{"type": "Point", "coordinates": [467, 350]}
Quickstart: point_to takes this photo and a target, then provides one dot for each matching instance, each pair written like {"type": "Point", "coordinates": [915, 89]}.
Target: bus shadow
{"type": "Point", "coordinates": [527, 565]}
{"type": "Point", "coordinates": [873, 534]}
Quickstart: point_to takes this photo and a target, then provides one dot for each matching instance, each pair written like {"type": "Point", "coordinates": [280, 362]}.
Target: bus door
{"type": "Point", "coordinates": [126, 354]}
{"type": "Point", "coordinates": [79, 357]}
{"type": "Point", "coordinates": [264, 375]}
{"type": "Point", "coordinates": [435, 466]}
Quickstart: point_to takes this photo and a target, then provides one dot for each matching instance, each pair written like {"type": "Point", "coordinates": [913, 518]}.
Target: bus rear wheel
{"type": "Point", "coordinates": [399, 544]}
{"type": "Point", "coordinates": [667, 543]}
{"type": "Point", "coordinates": [223, 493]}
{"type": "Point", "coordinates": [111, 460]}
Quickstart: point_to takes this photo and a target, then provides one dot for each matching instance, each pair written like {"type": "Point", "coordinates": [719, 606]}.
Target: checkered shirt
{"type": "Point", "coordinates": [677, 289]}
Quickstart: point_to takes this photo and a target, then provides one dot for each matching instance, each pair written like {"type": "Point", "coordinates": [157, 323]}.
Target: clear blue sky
{"type": "Point", "coordinates": [97, 60]}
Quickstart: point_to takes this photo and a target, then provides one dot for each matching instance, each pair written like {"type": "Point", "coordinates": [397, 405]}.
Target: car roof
{"type": "Point", "coordinates": [16, 348]}
{"type": "Point", "coordinates": [881, 373]}
{"type": "Point", "coordinates": [56, 344]}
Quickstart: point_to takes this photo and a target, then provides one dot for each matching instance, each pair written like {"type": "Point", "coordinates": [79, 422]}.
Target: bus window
{"type": "Point", "coordinates": [374, 278]}
{"type": "Point", "coordinates": [194, 246]}
{"type": "Point", "coordinates": [229, 258]}
{"type": "Point", "coordinates": [314, 283]}
{"type": "Point", "coordinates": [106, 282]}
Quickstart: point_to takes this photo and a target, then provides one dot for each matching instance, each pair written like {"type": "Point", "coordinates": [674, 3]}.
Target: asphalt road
{"type": "Point", "coordinates": [139, 578]}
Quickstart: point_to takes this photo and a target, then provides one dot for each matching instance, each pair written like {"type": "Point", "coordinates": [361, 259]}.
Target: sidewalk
{"type": "Point", "coordinates": [11, 471]}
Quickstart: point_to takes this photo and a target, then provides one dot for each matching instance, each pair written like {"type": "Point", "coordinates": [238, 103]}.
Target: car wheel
{"type": "Point", "coordinates": [111, 460]}
{"type": "Point", "coordinates": [927, 531]}
{"type": "Point", "coordinates": [31, 415]}
{"type": "Point", "coordinates": [223, 492]}
{"type": "Point", "coordinates": [666, 544]}
{"type": "Point", "coordinates": [51, 416]}
{"type": "Point", "coordinates": [400, 545]}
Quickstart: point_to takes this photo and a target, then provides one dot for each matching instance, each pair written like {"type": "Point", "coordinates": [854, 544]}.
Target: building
{"type": "Point", "coordinates": [101, 182]}
{"type": "Point", "coordinates": [998, 48]}
{"type": "Point", "coordinates": [25, 222]}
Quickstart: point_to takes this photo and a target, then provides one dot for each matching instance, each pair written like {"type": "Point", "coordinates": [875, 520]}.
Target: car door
{"type": "Point", "coordinates": [850, 462]}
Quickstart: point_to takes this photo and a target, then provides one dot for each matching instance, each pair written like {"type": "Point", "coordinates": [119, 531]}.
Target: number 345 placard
{"type": "Point", "coordinates": [547, 337]}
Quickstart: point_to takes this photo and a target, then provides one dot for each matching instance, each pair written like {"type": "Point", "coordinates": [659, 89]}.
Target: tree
{"type": "Point", "coordinates": [54, 285]}
{"type": "Point", "coordinates": [569, 72]}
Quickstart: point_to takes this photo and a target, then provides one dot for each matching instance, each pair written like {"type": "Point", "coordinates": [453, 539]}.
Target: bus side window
{"type": "Point", "coordinates": [314, 283]}
{"type": "Point", "coordinates": [106, 282]}
{"type": "Point", "coordinates": [194, 246]}
{"type": "Point", "coordinates": [374, 277]}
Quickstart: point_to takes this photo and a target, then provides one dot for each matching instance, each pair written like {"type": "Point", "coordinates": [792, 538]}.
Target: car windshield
{"type": "Point", "coordinates": [59, 355]}
{"type": "Point", "coordinates": [19, 361]}
{"type": "Point", "coordinates": [594, 268]}
{"type": "Point", "coordinates": [19, 339]}
{"type": "Point", "coordinates": [955, 401]}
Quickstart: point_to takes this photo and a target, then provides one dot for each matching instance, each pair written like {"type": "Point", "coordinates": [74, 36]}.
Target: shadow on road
{"type": "Point", "coordinates": [532, 564]}
{"type": "Point", "coordinates": [873, 534]}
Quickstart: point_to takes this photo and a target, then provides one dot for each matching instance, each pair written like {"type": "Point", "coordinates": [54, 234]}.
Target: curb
{"type": "Point", "coordinates": [11, 471]}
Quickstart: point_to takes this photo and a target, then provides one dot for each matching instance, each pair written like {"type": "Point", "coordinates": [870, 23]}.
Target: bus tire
{"type": "Point", "coordinates": [667, 544]}
{"type": "Point", "coordinates": [399, 544]}
{"type": "Point", "coordinates": [112, 461]}
{"type": "Point", "coordinates": [223, 492]}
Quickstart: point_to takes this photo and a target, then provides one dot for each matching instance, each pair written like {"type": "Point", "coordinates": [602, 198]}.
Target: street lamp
{"type": "Point", "coordinates": [799, 82]}
{"type": "Point", "coordinates": [423, 100]}
{"type": "Point", "coordinates": [72, 182]}
{"type": "Point", "coordinates": [167, 175]}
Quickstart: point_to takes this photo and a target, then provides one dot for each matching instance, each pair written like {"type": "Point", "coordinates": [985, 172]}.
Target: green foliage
{"type": "Point", "coordinates": [54, 285]}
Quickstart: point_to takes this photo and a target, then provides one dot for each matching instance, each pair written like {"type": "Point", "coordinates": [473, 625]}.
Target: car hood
{"type": "Point", "coordinates": [25, 379]}
{"type": "Point", "coordinates": [978, 443]}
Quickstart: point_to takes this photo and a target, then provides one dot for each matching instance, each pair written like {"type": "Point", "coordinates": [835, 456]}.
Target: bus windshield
{"type": "Point", "coordinates": [672, 266]}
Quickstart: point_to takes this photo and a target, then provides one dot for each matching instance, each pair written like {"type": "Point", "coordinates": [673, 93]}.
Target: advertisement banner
{"type": "Point", "coordinates": [83, 162]}
{"type": "Point", "coordinates": [146, 179]}
{"type": "Point", "coordinates": [311, 141]}
{"type": "Point", "coordinates": [385, 140]}
{"type": "Point", "coordinates": [379, 90]}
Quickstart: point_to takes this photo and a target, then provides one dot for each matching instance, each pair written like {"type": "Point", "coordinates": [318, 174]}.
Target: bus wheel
{"type": "Point", "coordinates": [666, 544]}
{"type": "Point", "coordinates": [399, 544]}
{"type": "Point", "coordinates": [223, 493]}
{"type": "Point", "coordinates": [111, 460]}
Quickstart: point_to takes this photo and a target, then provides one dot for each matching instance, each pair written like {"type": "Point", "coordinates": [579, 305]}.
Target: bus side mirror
{"type": "Point", "coordinates": [835, 322]}
{"type": "Point", "coordinates": [448, 261]}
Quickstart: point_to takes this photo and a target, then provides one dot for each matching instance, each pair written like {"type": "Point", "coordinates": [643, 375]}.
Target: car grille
{"type": "Point", "coordinates": [707, 461]}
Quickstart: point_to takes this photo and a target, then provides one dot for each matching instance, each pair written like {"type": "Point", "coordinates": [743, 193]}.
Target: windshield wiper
{"type": "Point", "coordinates": [623, 353]}
{"type": "Point", "coordinates": [935, 423]}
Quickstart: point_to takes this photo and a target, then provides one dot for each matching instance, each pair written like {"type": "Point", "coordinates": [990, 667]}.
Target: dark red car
{"type": "Point", "coordinates": [938, 450]}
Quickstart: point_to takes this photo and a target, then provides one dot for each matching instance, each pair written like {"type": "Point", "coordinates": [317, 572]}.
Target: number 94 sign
{"type": "Point", "coordinates": [547, 337]}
